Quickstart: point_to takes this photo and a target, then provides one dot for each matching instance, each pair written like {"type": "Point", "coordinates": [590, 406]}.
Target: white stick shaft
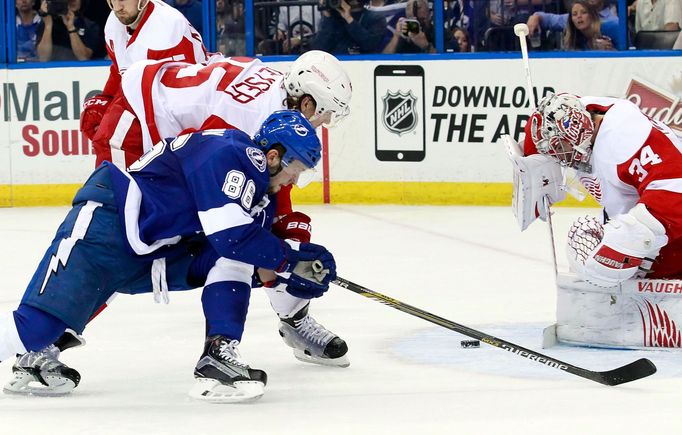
{"type": "Point", "coordinates": [526, 66]}
{"type": "Point", "coordinates": [531, 99]}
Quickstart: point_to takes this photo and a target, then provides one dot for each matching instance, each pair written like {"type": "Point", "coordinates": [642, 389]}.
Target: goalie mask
{"type": "Point", "coordinates": [562, 128]}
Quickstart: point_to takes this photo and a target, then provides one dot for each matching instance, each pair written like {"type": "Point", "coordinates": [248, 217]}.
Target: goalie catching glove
{"type": "Point", "coordinates": [536, 177]}
{"type": "Point", "coordinates": [302, 280]}
{"type": "Point", "coordinates": [606, 256]}
{"type": "Point", "coordinates": [93, 111]}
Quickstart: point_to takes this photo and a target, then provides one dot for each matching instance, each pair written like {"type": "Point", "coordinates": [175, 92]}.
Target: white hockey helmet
{"type": "Point", "coordinates": [320, 75]}
{"type": "Point", "coordinates": [562, 128]}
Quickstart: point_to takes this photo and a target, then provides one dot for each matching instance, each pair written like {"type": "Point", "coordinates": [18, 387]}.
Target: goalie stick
{"type": "Point", "coordinates": [521, 31]}
{"type": "Point", "coordinates": [630, 372]}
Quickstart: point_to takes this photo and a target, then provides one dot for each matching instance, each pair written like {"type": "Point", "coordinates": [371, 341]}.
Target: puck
{"type": "Point", "coordinates": [470, 343]}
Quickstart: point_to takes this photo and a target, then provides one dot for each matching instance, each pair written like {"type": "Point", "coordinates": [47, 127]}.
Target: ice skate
{"type": "Point", "coordinates": [42, 374]}
{"type": "Point", "coordinates": [312, 342]}
{"type": "Point", "coordinates": [221, 377]}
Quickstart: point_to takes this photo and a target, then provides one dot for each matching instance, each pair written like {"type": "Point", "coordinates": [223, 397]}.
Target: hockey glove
{"type": "Point", "coordinates": [535, 177]}
{"type": "Point", "coordinates": [293, 226]}
{"type": "Point", "coordinates": [93, 111]}
{"type": "Point", "coordinates": [305, 282]}
{"type": "Point", "coordinates": [621, 250]}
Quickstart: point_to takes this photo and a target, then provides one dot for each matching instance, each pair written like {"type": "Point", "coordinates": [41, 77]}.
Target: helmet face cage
{"type": "Point", "coordinates": [320, 75]}
{"type": "Point", "coordinates": [562, 128]}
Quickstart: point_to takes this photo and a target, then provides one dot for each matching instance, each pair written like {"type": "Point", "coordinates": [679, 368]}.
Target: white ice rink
{"type": "Point", "coordinates": [407, 376]}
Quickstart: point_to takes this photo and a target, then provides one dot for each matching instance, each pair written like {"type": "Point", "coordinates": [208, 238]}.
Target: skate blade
{"type": "Point", "coordinates": [212, 391]}
{"type": "Point", "coordinates": [341, 361]}
{"type": "Point", "coordinates": [26, 384]}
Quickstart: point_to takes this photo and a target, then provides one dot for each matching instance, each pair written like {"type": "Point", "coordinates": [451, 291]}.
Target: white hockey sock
{"type": "Point", "coordinates": [10, 343]}
{"type": "Point", "coordinates": [284, 304]}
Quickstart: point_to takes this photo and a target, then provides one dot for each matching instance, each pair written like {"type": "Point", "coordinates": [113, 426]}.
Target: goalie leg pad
{"type": "Point", "coordinates": [637, 314]}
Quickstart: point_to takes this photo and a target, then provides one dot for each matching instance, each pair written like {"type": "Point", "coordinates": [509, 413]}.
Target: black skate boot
{"type": "Point", "coordinates": [312, 342]}
{"type": "Point", "coordinates": [221, 377]}
{"type": "Point", "coordinates": [42, 374]}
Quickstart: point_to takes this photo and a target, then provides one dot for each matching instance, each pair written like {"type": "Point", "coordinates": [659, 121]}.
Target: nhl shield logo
{"type": "Point", "coordinates": [400, 112]}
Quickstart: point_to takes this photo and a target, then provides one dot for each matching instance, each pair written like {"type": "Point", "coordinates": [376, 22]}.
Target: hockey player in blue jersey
{"type": "Point", "coordinates": [194, 211]}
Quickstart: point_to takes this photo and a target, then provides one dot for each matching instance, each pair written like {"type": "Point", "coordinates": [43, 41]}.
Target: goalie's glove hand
{"type": "Point", "coordinates": [305, 281]}
{"type": "Point", "coordinates": [93, 111]}
{"type": "Point", "coordinates": [618, 251]}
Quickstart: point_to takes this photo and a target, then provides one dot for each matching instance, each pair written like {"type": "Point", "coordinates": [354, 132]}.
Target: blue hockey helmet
{"type": "Point", "coordinates": [290, 129]}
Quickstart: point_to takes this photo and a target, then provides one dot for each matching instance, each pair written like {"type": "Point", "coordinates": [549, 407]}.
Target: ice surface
{"type": "Point", "coordinates": [407, 376]}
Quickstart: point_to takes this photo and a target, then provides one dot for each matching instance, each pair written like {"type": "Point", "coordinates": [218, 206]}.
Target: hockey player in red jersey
{"type": "Point", "coordinates": [138, 30]}
{"type": "Point", "coordinates": [631, 165]}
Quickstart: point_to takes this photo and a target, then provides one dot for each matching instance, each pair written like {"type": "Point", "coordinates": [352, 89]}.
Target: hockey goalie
{"type": "Point", "coordinates": [624, 288]}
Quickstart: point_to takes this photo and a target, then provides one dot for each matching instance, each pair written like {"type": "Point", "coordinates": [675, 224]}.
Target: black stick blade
{"type": "Point", "coordinates": [630, 372]}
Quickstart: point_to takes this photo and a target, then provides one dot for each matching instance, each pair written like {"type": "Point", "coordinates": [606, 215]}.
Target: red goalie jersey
{"type": "Point", "coordinates": [636, 159]}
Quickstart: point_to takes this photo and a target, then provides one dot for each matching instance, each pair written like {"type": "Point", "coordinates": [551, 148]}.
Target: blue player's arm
{"type": "Point", "coordinates": [228, 182]}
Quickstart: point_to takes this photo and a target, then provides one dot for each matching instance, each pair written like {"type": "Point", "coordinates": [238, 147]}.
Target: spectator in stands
{"type": "Point", "coordinates": [557, 22]}
{"type": "Point", "coordinates": [296, 26]}
{"type": "Point", "coordinates": [294, 29]}
{"type": "Point", "coordinates": [27, 22]}
{"type": "Point", "coordinates": [469, 15]}
{"type": "Point", "coordinates": [414, 33]}
{"type": "Point", "coordinates": [64, 34]}
{"type": "Point", "coordinates": [230, 35]}
{"type": "Point", "coordinates": [392, 11]}
{"type": "Point", "coordinates": [191, 9]}
{"type": "Point", "coordinates": [459, 42]}
{"type": "Point", "coordinates": [657, 14]}
{"type": "Point", "coordinates": [348, 29]}
{"type": "Point", "coordinates": [585, 31]}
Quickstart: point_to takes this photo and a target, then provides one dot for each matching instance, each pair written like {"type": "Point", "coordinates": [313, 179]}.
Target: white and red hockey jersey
{"type": "Point", "coordinates": [636, 159]}
{"type": "Point", "coordinates": [172, 97]}
{"type": "Point", "coordinates": [163, 33]}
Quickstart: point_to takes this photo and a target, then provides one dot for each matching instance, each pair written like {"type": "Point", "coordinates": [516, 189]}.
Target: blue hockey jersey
{"type": "Point", "coordinates": [213, 182]}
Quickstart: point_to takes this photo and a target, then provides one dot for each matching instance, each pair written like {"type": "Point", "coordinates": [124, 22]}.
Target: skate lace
{"type": "Point", "coordinates": [228, 351]}
{"type": "Point", "coordinates": [313, 331]}
{"type": "Point", "coordinates": [46, 359]}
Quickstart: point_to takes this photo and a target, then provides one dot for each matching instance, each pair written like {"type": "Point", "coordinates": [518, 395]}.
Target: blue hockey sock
{"type": "Point", "coordinates": [37, 329]}
{"type": "Point", "coordinates": [225, 306]}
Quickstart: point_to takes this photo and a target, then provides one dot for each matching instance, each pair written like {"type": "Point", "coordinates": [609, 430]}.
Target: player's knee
{"type": "Point", "coordinates": [37, 329]}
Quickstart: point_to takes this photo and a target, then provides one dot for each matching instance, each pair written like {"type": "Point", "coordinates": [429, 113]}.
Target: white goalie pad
{"type": "Point", "coordinates": [535, 177]}
{"type": "Point", "coordinates": [637, 314]}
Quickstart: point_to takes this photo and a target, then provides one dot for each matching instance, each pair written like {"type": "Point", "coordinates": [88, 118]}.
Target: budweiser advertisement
{"type": "Point", "coordinates": [659, 104]}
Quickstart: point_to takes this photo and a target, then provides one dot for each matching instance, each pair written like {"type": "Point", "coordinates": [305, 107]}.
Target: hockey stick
{"type": "Point", "coordinates": [521, 31]}
{"type": "Point", "coordinates": [627, 373]}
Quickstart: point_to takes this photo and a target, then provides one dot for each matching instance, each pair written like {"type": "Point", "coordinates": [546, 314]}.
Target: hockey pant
{"type": "Point", "coordinates": [89, 260]}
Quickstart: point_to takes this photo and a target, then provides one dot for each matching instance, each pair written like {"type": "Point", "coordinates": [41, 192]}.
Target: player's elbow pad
{"type": "Point", "coordinates": [629, 239]}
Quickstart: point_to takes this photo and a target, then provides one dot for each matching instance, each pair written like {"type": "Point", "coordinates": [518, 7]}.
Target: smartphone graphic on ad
{"type": "Point", "coordinates": [399, 111]}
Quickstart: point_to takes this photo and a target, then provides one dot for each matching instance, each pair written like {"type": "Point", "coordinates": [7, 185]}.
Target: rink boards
{"type": "Point", "coordinates": [420, 132]}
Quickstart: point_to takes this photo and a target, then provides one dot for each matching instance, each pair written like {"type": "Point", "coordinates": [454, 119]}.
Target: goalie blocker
{"type": "Point", "coordinates": [635, 314]}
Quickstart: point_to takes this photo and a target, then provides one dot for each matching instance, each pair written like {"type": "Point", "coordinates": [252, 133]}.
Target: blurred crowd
{"type": "Point", "coordinates": [48, 30]}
